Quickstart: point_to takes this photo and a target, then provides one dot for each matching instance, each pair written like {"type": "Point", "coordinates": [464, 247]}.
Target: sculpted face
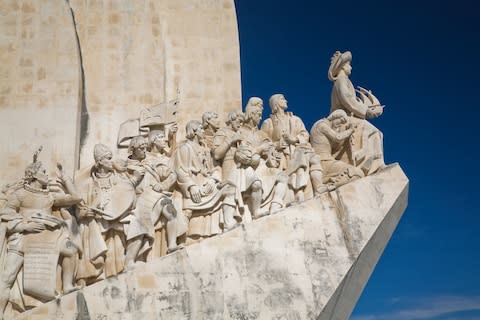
{"type": "Point", "coordinates": [347, 67]}
{"type": "Point", "coordinates": [106, 162]}
{"type": "Point", "coordinates": [256, 114]}
{"type": "Point", "coordinates": [338, 123]}
{"type": "Point", "coordinates": [160, 141]}
{"type": "Point", "coordinates": [200, 133]}
{"type": "Point", "coordinates": [282, 102]}
{"type": "Point", "coordinates": [214, 121]}
{"type": "Point", "coordinates": [237, 123]}
{"type": "Point", "coordinates": [42, 176]}
{"type": "Point", "coordinates": [140, 152]}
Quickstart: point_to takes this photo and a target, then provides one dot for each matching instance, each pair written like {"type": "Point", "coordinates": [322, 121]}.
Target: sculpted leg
{"type": "Point", "coordinates": [170, 215]}
{"type": "Point", "coordinates": [69, 264]}
{"type": "Point", "coordinates": [228, 215]}
{"type": "Point", "coordinates": [279, 192]}
{"type": "Point", "coordinates": [229, 210]}
{"type": "Point", "coordinates": [300, 192]}
{"type": "Point", "coordinates": [316, 176]}
{"type": "Point", "coordinates": [68, 271]}
{"type": "Point", "coordinates": [13, 263]}
{"type": "Point", "coordinates": [133, 248]}
{"type": "Point", "coordinates": [255, 198]}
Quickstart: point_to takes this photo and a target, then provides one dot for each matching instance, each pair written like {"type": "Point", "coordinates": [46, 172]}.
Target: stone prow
{"type": "Point", "coordinates": [309, 261]}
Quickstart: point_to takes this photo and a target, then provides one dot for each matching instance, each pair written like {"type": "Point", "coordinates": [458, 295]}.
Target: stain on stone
{"type": "Point", "coordinates": [243, 315]}
{"type": "Point", "coordinates": [115, 292]}
{"type": "Point", "coordinates": [105, 292]}
{"type": "Point", "coordinates": [24, 62]}
{"type": "Point", "coordinates": [82, 307]}
{"type": "Point", "coordinates": [289, 315]}
{"type": "Point", "coordinates": [28, 7]}
{"type": "Point", "coordinates": [146, 281]}
{"type": "Point", "coordinates": [41, 74]}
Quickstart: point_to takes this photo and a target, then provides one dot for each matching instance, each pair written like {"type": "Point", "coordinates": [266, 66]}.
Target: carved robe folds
{"type": "Point", "coordinates": [194, 167]}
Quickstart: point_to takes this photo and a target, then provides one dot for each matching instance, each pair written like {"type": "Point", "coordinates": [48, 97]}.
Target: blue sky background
{"type": "Point", "coordinates": [421, 59]}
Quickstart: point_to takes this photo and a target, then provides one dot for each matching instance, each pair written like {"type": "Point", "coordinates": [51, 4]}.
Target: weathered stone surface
{"type": "Point", "coordinates": [144, 52]}
{"type": "Point", "coordinates": [309, 261]}
{"type": "Point", "coordinates": [39, 85]}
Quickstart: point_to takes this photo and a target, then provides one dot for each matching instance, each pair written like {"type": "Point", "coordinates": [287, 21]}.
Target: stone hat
{"type": "Point", "coordinates": [100, 151]}
{"type": "Point", "coordinates": [336, 63]}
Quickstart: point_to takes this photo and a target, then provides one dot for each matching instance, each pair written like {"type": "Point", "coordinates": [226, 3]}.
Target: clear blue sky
{"type": "Point", "coordinates": [420, 59]}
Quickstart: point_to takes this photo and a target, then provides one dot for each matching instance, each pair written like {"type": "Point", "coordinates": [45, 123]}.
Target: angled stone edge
{"type": "Point", "coordinates": [310, 261]}
{"type": "Point", "coordinates": [343, 301]}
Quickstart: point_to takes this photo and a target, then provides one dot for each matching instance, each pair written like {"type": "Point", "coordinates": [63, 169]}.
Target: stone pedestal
{"type": "Point", "coordinates": [309, 261]}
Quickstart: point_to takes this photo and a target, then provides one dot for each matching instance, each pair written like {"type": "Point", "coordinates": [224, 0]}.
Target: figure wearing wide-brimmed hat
{"type": "Point", "coordinates": [367, 141]}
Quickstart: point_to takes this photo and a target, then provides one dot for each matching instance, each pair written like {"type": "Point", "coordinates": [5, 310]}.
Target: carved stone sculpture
{"type": "Point", "coordinates": [225, 145]}
{"type": "Point", "coordinates": [162, 197]}
{"type": "Point", "coordinates": [208, 202]}
{"type": "Point", "coordinates": [109, 193]}
{"type": "Point", "coordinates": [262, 178]}
{"type": "Point", "coordinates": [211, 124]}
{"type": "Point", "coordinates": [332, 138]}
{"type": "Point", "coordinates": [35, 238]}
{"type": "Point", "coordinates": [368, 140]}
{"type": "Point", "coordinates": [292, 140]}
{"type": "Point", "coordinates": [154, 194]}
{"type": "Point", "coordinates": [140, 232]}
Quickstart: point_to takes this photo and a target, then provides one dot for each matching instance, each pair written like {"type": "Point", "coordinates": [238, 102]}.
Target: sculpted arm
{"type": "Point", "coordinates": [348, 98]}
{"type": "Point", "coordinates": [267, 127]}
{"type": "Point", "coordinates": [301, 132]}
{"type": "Point", "coordinates": [334, 135]}
{"type": "Point", "coordinates": [14, 221]}
{"type": "Point", "coordinates": [167, 183]}
{"type": "Point", "coordinates": [72, 197]}
{"type": "Point", "coordinates": [221, 144]}
{"type": "Point", "coordinates": [182, 168]}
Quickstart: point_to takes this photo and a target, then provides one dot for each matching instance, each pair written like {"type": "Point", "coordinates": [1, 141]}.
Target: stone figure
{"type": "Point", "coordinates": [208, 202]}
{"type": "Point", "coordinates": [110, 196]}
{"type": "Point", "coordinates": [154, 194]}
{"type": "Point", "coordinates": [225, 145]}
{"type": "Point", "coordinates": [36, 239]}
{"type": "Point", "coordinates": [140, 231]}
{"type": "Point", "coordinates": [292, 140]}
{"type": "Point", "coordinates": [261, 178]}
{"type": "Point", "coordinates": [211, 124]}
{"type": "Point", "coordinates": [332, 138]}
{"type": "Point", "coordinates": [368, 140]}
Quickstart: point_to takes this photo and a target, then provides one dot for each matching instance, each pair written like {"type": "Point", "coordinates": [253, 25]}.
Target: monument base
{"type": "Point", "coordinates": [309, 261]}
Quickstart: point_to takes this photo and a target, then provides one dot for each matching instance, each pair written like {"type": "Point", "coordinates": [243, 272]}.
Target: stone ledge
{"type": "Point", "coordinates": [304, 262]}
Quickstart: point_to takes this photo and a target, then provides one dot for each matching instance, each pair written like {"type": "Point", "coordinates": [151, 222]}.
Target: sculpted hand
{"type": "Point", "coordinates": [34, 227]}
{"type": "Point", "coordinates": [138, 172]}
{"type": "Point", "coordinates": [264, 147]}
{"type": "Point", "coordinates": [61, 178]}
{"type": "Point", "coordinates": [289, 138]}
{"type": "Point", "coordinates": [195, 194]}
{"type": "Point", "coordinates": [374, 112]}
{"type": "Point", "coordinates": [210, 186]}
{"type": "Point", "coordinates": [60, 172]}
{"type": "Point", "coordinates": [236, 138]}
{"type": "Point", "coordinates": [359, 155]}
{"type": "Point", "coordinates": [158, 187]}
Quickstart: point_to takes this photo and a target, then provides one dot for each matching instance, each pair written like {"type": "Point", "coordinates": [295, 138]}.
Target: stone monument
{"type": "Point", "coordinates": [183, 205]}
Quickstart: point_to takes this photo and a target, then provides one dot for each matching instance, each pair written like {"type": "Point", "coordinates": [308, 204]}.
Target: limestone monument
{"type": "Point", "coordinates": [182, 205]}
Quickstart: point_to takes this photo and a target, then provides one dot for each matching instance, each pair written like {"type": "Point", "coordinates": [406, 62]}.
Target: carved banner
{"type": "Point", "coordinates": [40, 264]}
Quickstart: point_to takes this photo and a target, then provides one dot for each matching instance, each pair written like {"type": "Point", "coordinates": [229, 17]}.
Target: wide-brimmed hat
{"type": "Point", "coordinates": [337, 62]}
